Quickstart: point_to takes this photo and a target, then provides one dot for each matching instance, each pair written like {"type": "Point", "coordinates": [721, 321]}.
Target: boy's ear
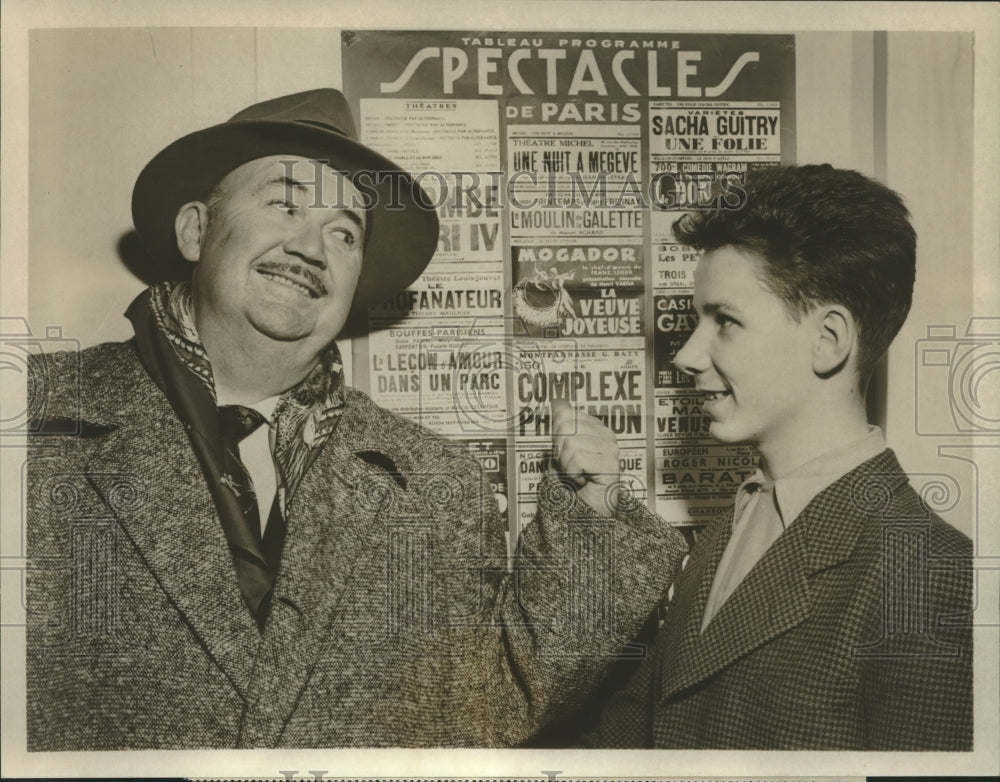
{"type": "Point", "coordinates": [836, 339]}
{"type": "Point", "coordinates": [189, 227]}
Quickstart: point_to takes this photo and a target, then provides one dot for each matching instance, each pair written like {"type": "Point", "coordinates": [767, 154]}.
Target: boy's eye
{"type": "Point", "coordinates": [724, 320]}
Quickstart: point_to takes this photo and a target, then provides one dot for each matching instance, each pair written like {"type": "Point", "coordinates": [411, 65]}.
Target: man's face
{"type": "Point", "coordinates": [276, 257]}
{"type": "Point", "coordinates": [750, 358]}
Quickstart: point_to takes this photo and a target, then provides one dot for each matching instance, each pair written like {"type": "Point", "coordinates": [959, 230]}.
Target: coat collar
{"type": "Point", "coordinates": [776, 594]}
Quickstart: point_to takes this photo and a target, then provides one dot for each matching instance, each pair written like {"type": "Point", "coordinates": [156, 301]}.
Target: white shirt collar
{"type": "Point", "coordinates": [797, 489]}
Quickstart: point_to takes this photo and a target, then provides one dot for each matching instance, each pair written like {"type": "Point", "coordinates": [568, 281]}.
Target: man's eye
{"type": "Point", "coordinates": [724, 320]}
{"type": "Point", "coordinates": [346, 236]}
{"type": "Point", "coordinates": [285, 206]}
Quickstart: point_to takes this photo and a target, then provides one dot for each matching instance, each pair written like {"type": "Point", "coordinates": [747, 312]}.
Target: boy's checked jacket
{"type": "Point", "coordinates": [853, 632]}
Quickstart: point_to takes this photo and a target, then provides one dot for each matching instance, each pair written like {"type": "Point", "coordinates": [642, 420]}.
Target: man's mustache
{"type": "Point", "coordinates": [292, 270]}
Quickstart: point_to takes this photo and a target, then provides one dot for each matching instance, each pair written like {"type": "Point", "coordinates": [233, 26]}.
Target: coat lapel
{"type": "Point", "coordinates": [773, 598]}
{"type": "Point", "coordinates": [682, 630]}
{"type": "Point", "coordinates": [333, 525]}
{"type": "Point", "coordinates": [775, 595]}
{"type": "Point", "coordinates": [148, 475]}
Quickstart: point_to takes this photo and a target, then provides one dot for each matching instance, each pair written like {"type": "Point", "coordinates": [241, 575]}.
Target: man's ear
{"type": "Point", "coordinates": [836, 339]}
{"type": "Point", "coordinates": [189, 228]}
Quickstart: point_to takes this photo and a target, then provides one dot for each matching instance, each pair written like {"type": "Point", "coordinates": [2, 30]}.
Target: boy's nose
{"type": "Point", "coordinates": [692, 359]}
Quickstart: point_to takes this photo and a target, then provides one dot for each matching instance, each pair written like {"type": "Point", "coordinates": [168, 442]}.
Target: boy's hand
{"type": "Point", "coordinates": [586, 452]}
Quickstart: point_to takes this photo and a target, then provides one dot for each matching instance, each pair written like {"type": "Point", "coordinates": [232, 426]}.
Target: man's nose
{"type": "Point", "coordinates": [307, 243]}
{"type": "Point", "coordinates": [692, 358]}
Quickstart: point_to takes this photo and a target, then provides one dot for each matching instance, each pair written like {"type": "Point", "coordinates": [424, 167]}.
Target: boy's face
{"type": "Point", "coordinates": [750, 358]}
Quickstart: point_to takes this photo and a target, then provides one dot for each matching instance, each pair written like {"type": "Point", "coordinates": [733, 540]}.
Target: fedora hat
{"type": "Point", "coordinates": [402, 225]}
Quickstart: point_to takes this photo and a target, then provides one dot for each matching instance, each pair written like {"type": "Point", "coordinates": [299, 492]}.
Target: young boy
{"type": "Point", "coordinates": [831, 611]}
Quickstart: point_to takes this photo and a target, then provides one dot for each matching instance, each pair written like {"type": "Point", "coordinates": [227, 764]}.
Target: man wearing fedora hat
{"type": "Point", "coordinates": [229, 547]}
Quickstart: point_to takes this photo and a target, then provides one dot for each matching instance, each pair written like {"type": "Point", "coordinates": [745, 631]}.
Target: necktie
{"type": "Point", "coordinates": [255, 559]}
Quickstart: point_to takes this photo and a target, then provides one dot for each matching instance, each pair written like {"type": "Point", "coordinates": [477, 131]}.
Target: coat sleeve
{"type": "Point", "coordinates": [547, 628]}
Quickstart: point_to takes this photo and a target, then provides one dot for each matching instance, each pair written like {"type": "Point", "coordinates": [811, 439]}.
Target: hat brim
{"type": "Point", "coordinates": [403, 225]}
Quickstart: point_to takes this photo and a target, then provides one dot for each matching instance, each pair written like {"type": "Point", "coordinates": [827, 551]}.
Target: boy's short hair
{"type": "Point", "coordinates": [824, 235]}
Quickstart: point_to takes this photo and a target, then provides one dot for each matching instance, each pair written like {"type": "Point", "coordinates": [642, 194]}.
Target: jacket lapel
{"type": "Point", "coordinates": [771, 599]}
{"type": "Point", "coordinates": [775, 595]}
{"type": "Point", "coordinates": [333, 528]}
{"type": "Point", "coordinates": [682, 630]}
{"type": "Point", "coordinates": [148, 475]}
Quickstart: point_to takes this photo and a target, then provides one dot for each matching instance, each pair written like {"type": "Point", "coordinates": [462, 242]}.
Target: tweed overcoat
{"type": "Point", "coordinates": [395, 620]}
{"type": "Point", "coordinates": [852, 632]}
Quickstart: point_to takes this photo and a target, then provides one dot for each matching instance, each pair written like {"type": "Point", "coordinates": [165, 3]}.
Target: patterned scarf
{"type": "Point", "coordinates": [304, 416]}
